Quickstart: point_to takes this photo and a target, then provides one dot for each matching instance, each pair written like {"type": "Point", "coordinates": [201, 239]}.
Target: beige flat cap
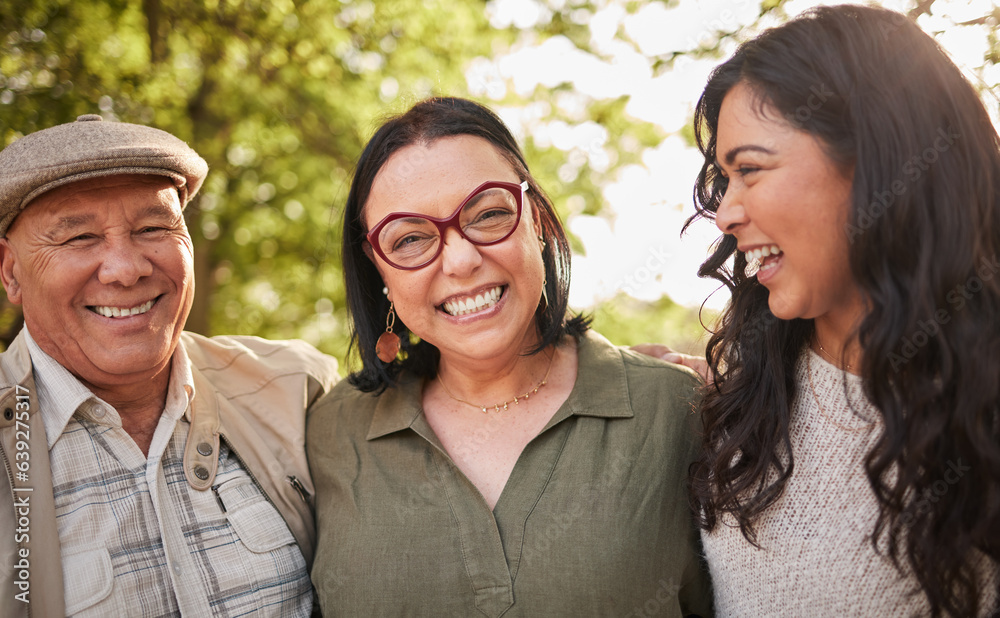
{"type": "Point", "coordinates": [87, 148]}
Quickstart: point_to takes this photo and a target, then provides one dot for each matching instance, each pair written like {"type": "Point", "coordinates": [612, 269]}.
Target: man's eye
{"type": "Point", "coordinates": [81, 238]}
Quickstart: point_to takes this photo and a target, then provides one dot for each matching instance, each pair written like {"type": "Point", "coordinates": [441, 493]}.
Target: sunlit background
{"type": "Point", "coordinates": [279, 96]}
{"type": "Point", "coordinates": [633, 246]}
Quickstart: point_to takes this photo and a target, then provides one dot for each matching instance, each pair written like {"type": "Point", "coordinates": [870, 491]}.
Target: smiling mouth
{"type": "Point", "coordinates": [472, 304]}
{"type": "Point", "coordinates": [122, 312]}
{"type": "Point", "coordinates": [763, 258]}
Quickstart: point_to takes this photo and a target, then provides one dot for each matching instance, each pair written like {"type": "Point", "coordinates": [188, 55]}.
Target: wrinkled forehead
{"type": "Point", "coordinates": [435, 176]}
{"type": "Point", "coordinates": [86, 200]}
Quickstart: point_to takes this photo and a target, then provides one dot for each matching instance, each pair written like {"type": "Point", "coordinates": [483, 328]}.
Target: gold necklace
{"type": "Point", "coordinates": [498, 406]}
{"type": "Point", "coordinates": [866, 426]}
{"type": "Point", "coordinates": [835, 362]}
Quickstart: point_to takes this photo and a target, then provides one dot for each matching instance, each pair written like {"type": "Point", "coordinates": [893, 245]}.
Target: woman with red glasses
{"type": "Point", "coordinates": [490, 456]}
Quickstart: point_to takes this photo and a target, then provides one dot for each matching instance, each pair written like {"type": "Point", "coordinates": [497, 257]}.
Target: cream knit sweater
{"type": "Point", "coordinates": [816, 557]}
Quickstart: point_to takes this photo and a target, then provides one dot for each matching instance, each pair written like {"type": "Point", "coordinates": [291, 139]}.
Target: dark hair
{"type": "Point", "coordinates": [423, 123]}
{"type": "Point", "coordinates": [925, 215]}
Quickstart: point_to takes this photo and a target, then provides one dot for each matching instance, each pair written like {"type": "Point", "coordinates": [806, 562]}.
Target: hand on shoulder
{"type": "Point", "coordinates": [663, 352]}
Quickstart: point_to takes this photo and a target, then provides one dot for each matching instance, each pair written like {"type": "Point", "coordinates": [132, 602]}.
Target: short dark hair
{"type": "Point", "coordinates": [422, 124]}
{"type": "Point", "coordinates": [882, 96]}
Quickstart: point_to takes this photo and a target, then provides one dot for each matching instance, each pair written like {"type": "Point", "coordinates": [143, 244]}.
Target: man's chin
{"type": "Point", "coordinates": [123, 368]}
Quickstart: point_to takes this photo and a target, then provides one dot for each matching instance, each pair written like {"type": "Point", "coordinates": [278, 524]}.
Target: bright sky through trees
{"type": "Point", "coordinates": [633, 246]}
{"type": "Point", "coordinates": [279, 96]}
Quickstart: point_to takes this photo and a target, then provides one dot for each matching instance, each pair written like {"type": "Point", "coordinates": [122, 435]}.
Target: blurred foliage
{"type": "Point", "coordinates": [628, 321]}
{"type": "Point", "coordinates": [279, 96]}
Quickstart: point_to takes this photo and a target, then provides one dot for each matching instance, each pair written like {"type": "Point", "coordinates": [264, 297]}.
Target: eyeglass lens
{"type": "Point", "coordinates": [486, 217]}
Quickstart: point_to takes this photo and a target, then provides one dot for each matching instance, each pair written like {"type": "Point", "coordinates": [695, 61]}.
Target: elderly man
{"type": "Point", "coordinates": [149, 471]}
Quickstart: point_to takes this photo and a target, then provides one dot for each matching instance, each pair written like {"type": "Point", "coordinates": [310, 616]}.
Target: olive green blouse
{"type": "Point", "coordinates": [593, 521]}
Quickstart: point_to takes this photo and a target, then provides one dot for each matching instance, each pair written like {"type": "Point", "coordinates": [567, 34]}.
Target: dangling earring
{"type": "Point", "coordinates": [387, 346]}
{"type": "Point", "coordinates": [543, 304]}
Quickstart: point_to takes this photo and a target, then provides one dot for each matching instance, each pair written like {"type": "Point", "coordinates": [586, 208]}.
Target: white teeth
{"type": "Point", "coordinates": [756, 255]}
{"type": "Point", "coordinates": [471, 305]}
{"type": "Point", "coordinates": [755, 259]}
{"type": "Point", "coordinates": [118, 312]}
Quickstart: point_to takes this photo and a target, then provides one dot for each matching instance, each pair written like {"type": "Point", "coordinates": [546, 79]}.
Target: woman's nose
{"type": "Point", "coordinates": [730, 215]}
{"type": "Point", "coordinates": [459, 257]}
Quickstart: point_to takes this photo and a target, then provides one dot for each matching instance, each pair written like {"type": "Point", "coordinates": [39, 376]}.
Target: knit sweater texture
{"type": "Point", "coordinates": [816, 557]}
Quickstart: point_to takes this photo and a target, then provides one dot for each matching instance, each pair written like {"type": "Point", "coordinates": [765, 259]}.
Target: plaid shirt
{"type": "Point", "coordinates": [136, 539]}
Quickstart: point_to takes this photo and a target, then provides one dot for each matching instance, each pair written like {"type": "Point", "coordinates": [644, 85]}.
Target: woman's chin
{"type": "Point", "coordinates": [782, 310]}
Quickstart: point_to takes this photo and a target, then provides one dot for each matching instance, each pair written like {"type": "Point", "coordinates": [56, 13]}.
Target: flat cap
{"type": "Point", "coordinates": [87, 148]}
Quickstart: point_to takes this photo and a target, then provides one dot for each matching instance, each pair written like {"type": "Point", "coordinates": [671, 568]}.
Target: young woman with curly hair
{"type": "Point", "coordinates": [851, 461]}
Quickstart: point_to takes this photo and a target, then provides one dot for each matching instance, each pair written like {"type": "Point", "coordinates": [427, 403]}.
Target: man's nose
{"type": "Point", "coordinates": [123, 262]}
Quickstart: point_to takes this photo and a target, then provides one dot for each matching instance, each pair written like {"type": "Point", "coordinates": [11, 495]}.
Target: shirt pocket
{"type": "Point", "coordinates": [88, 579]}
{"type": "Point", "coordinates": [254, 520]}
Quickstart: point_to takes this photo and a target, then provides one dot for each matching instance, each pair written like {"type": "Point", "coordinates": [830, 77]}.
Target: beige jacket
{"type": "Point", "coordinates": [250, 392]}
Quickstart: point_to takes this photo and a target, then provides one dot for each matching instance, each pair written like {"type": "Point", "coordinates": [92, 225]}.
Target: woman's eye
{"type": "Point", "coordinates": [746, 169]}
{"type": "Point", "coordinates": [490, 214]}
{"type": "Point", "coordinates": [408, 241]}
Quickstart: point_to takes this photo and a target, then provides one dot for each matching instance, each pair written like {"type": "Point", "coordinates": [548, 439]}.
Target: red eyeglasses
{"type": "Point", "coordinates": [489, 215]}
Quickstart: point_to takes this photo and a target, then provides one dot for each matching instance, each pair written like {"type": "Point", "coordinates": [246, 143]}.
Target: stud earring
{"type": "Point", "coordinates": [387, 346]}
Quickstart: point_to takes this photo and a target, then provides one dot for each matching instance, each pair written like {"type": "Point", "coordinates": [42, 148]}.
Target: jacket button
{"type": "Point", "coordinates": [201, 472]}
{"type": "Point", "coordinates": [8, 414]}
{"type": "Point", "coordinates": [205, 449]}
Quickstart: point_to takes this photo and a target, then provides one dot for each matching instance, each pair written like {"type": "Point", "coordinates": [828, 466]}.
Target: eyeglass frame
{"type": "Point", "coordinates": [442, 224]}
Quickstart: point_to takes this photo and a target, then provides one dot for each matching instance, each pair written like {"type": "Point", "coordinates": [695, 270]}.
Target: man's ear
{"type": "Point", "coordinates": [8, 261]}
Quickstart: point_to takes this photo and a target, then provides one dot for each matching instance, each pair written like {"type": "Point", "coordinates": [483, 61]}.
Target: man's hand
{"type": "Point", "coordinates": [658, 350]}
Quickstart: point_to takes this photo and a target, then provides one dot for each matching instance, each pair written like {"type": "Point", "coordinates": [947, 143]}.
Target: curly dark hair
{"type": "Point", "coordinates": [924, 242]}
{"type": "Point", "coordinates": [423, 123]}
